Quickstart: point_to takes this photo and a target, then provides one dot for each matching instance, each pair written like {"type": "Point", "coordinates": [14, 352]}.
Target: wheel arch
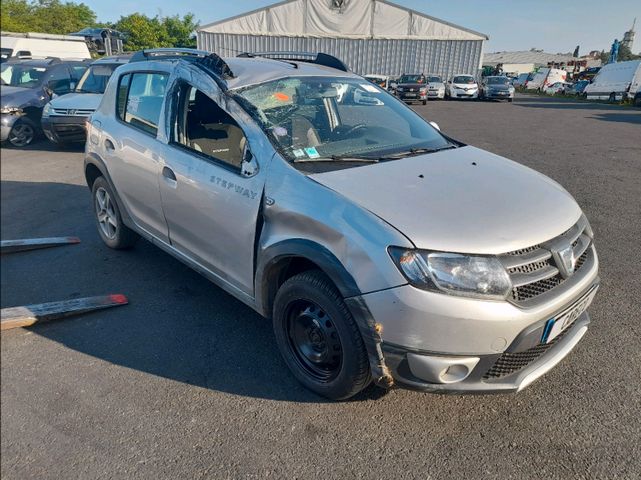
{"type": "Point", "coordinates": [94, 167]}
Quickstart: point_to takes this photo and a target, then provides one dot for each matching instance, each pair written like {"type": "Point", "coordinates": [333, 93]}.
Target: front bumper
{"type": "Point", "coordinates": [471, 94]}
{"type": "Point", "coordinates": [498, 95]}
{"type": "Point", "coordinates": [411, 96]}
{"type": "Point", "coordinates": [6, 124]}
{"type": "Point", "coordinates": [436, 93]}
{"type": "Point", "coordinates": [65, 129]}
{"type": "Point", "coordinates": [417, 323]}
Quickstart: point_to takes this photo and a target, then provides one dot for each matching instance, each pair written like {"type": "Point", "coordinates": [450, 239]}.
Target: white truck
{"type": "Point", "coordinates": [545, 77]}
{"type": "Point", "coordinates": [615, 82]}
{"type": "Point", "coordinates": [42, 45]}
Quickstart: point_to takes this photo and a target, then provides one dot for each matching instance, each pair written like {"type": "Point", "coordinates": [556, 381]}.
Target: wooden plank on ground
{"type": "Point", "coordinates": [28, 315]}
{"type": "Point", "coordinates": [12, 246]}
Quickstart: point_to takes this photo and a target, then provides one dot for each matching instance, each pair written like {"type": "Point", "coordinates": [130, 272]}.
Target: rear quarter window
{"type": "Point", "coordinates": [140, 98]}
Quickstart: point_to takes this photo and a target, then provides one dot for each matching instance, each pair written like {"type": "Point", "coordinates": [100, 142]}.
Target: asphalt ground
{"type": "Point", "coordinates": [186, 382]}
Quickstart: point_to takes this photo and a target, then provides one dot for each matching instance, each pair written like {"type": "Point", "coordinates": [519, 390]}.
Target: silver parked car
{"type": "Point", "coordinates": [383, 250]}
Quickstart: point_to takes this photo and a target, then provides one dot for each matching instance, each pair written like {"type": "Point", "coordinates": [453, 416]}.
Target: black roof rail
{"type": "Point", "coordinates": [318, 58]}
{"type": "Point", "coordinates": [208, 60]}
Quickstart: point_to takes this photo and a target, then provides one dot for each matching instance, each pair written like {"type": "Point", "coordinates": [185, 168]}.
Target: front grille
{"type": "Point", "coordinates": [68, 131]}
{"type": "Point", "coordinates": [509, 363]}
{"type": "Point", "coordinates": [73, 112]}
{"type": "Point", "coordinates": [534, 270]}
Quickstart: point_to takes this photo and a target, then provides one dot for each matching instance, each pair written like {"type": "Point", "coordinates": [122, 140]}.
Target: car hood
{"type": "Point", "coordinates": [80, 101]}
{"type": "Point", "coordinates": [436, 84]}
{"type": "Point", "coordinates": [465, 86]}
{"type": "Point", "coordinates": [462, 200]}
{"type": "Point", "coordinates": [19, 96]}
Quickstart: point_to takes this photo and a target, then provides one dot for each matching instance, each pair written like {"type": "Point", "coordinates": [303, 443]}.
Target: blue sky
{"type": "Point", "coordinates": [553, 25]}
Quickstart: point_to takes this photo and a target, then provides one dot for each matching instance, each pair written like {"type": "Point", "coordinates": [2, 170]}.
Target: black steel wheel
{"type": "Point", "coordinates": [319, 338]}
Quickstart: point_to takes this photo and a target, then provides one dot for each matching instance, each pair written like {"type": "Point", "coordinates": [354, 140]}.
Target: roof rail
{"type": "Point", "coordinates": [207, 60]}
{"type": "Point", "coordinates": [319, 58]}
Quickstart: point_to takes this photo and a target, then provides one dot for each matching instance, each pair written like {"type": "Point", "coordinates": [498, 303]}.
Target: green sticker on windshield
{"type": "Point", "coordinates": [312, 152]}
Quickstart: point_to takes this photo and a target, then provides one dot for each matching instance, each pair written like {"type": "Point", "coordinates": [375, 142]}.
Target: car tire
{"type": "Point", "coordinates": [612, 98]}
{"type": "Point", "coordinates": [22, 134]}
{"type": "Point", "coordinates": [510, 100]}
{"type": "Point", "coordinates": [424, 102]}
{"type": "Point", "coordinates": [318, 338]}
{"type": "Point", "coordinates": [111, 228]}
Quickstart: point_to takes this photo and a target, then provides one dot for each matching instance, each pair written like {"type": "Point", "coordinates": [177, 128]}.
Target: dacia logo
{"type": "Point", "coordinates": [566, 260]}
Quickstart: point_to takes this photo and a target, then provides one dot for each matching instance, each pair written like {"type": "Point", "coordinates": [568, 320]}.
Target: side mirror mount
{"type": "Point", "coordinates": [249, 165]}
{"type": "Point", "coordinates": [435, 125]}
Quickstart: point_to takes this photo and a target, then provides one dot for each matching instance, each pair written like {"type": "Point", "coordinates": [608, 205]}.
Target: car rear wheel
{"type": "Point", "coordinates": [112, 230]}
{"type": "Point", "coordinates": [318, 337]}
{"type": "Point", "coordinates": [22, 134]}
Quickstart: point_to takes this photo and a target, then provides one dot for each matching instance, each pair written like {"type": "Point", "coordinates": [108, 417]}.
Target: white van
{"type": "Point", "coordinates": [42, 45]}
{"type": "Point", "coordinates": [546, 77]}
{"type": "Point", "coordinates": [615, 81]}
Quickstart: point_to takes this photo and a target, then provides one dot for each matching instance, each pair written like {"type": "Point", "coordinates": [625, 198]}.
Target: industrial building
{"type": "Point", "coordinates": [370, 36]}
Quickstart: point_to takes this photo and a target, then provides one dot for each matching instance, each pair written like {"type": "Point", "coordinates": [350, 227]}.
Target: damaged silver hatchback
{"type": "Point", "coordinates": [383, 250]}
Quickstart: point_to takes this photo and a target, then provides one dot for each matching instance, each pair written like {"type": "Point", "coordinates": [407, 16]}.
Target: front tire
{"type": "Point", "coordinates": [22, 134]}
{"type": "Point", "coordinates": [111, 228]}
{"type": "Point", "coordinates": [318, 337]}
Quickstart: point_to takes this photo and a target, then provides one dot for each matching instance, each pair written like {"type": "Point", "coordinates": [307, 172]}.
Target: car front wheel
{"type": "Point", "coordinates": [112, 230]}
{"type": "Point", "coordinates": [318, 337]}
{"type": "Point", "coordinates": [22, 134]}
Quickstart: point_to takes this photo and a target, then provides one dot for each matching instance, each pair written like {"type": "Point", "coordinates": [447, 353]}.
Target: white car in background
{"type": "Point", "coordinates": [615, 82]}
{"type": "Point", "coordinates": [462, 86]}
{"type": "Point", "coordinates": [435, 87]}
{"type": "Point", "coordinates": [557, 88]}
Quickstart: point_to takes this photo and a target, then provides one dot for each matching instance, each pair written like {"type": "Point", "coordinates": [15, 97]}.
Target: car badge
{"type": "Point", "coordinates": [72, 112]}
{"type": "Point", "coordinates": [566, 261]}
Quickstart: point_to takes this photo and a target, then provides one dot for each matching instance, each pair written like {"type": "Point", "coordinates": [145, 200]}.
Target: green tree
{"type": "Point", "coordinates": [142, 31]}
{"type": "Point", "coordinates": [46, 16]}
{"type": "Point", "coordinates": [625, 54]}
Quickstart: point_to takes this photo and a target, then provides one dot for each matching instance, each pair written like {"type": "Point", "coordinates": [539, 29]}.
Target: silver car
{"type": "Point", "coordinates": [383, 250]}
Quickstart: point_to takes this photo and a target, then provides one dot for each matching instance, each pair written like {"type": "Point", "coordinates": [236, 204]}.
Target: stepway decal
{"type": "Point", "coordinates": [239, 189]}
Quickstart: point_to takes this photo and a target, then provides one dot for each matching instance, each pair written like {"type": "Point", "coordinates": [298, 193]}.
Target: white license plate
{"type": "Point", "coordinates": [567, 318]}
{"type": "Point", "coordinates": [410, 94]}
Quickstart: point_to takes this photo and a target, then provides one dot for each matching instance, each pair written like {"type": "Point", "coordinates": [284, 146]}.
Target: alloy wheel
{"type": "Point", "coordinates": [106, 214]}
{"type": "Point", "coordinates": [21, 135]}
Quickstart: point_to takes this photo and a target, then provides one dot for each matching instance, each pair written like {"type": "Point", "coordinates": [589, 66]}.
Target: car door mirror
{"type": "Point", "coordinates": [249, 166]}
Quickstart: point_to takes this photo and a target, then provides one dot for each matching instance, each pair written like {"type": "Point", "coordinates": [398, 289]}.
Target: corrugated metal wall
{"type": "Point", "coordinates": [363, 56]}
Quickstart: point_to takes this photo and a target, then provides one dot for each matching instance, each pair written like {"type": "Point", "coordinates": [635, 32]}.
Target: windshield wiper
{"type": "Point", "coordinates": [415, 151]}
{"type": "Point", "coordinates": [337, 158]}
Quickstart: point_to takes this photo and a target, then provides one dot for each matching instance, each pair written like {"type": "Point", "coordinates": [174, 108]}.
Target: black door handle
{"type": "Point", "coordinates": [168, 173]}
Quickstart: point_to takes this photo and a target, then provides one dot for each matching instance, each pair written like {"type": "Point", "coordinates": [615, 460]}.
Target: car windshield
{"type": "Point", "coordinates": [20, 75]}
{"type": "Point", "coordinates": [434, 79]}
{"type": "Point", "coordinates": [95, 78]}
{"type": "Point", "coordinates": [463, 79]}
{"type": "Point", "coordinates": [412, 79]}
{"type": "Point", "coordinates": [498, 80]}
{"type": "Point", "coordinates": [316, 118]}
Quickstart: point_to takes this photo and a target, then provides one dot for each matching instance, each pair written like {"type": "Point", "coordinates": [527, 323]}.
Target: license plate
{"type": "Point", "coordinates": [410, 94]}
{"type": "Point", "coordinates": [567, 318]}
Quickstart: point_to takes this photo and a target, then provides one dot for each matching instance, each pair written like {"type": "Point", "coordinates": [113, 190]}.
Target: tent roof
{"type": "Point", "coordinates": [342, 18]}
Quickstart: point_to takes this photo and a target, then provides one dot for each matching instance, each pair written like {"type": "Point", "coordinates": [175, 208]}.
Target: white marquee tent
{"type": "Point", "coordinates": [370, 36]}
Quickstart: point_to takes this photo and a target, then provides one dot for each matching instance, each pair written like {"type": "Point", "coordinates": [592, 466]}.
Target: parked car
{"type": "Point", "coordinates": [462, 86]}
{"type": "Point", "coordinates": [27, 85]}
{"type": "Point", "coordinates": [615, 81]}
{"type": "Point", "coordinates": [382, 249]}
{"type": "Point", "coordinates": [520, 81]}
{"type": "Point", "coordinates": [64, 117]}
{"type": "Point", "coordinates": [578, 88]}
{"type": "Point", "coordinates": [42, 45]}
{"type": "Point", "coordinates": [382, 81]}
{"type": "Point", "coordinates": [412, 87]}
{"type": "Point", "coordinates": [435, 87]}
{"type": "Point", "coordinates": [497, 88]}
{"type": "Point", "coordinates": [557, 88]}
{"type": "Point", "coordinates": [545, 77]}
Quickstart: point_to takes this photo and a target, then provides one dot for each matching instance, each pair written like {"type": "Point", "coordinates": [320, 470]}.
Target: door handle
{"type": "Point", "coordinates": [109, 145]}
{"type": "Point", "coordinates": [168, 173]}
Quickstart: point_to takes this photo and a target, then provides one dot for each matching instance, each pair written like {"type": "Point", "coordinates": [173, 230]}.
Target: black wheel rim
{"type": "Point", "coordinates": [314, 340]}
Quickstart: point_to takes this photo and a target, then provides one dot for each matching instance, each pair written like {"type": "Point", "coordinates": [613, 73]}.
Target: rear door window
{"type": "Point", "coordinates": [140, 99]}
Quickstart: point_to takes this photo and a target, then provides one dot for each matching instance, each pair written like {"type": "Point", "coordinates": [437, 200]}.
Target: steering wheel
{"type": "Point", "coordinates": [351, 130]}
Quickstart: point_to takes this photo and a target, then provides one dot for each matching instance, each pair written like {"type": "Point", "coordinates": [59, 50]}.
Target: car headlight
{"type": "Point", "coordinates": [400, 89]}
{"type": "Point", "coordinates": [47, 110]}
{"type": "Point", "coordinates": [11, 110]}
{"type": "Point", "coordinates": [466, 275]}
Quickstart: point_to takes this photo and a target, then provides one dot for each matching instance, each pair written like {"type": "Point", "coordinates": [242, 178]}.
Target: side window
{"type": "Point", "coordinates": [204, 127]}
{"type": "Point", "coordinates": [77, 71]}
{"type": "Point", "coordinates": [140, 99]}
{"type": "Point", "coordinates": [59, 81]}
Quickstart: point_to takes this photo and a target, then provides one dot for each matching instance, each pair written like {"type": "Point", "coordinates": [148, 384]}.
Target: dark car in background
{"type": "Point", "coordinates": [27, 85]}
{"type": "Point", "coordinates": [497, 88]}
{"type": "Point", "coordinates": [412, 88]}
{"type": "Point", "coordinates": [64, 117]}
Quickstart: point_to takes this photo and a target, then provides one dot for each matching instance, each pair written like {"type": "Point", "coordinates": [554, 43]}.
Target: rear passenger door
{"type": "Point", "coordinates": [131, 148]}
{"type": "Point", "coordinates": [211, 207]}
